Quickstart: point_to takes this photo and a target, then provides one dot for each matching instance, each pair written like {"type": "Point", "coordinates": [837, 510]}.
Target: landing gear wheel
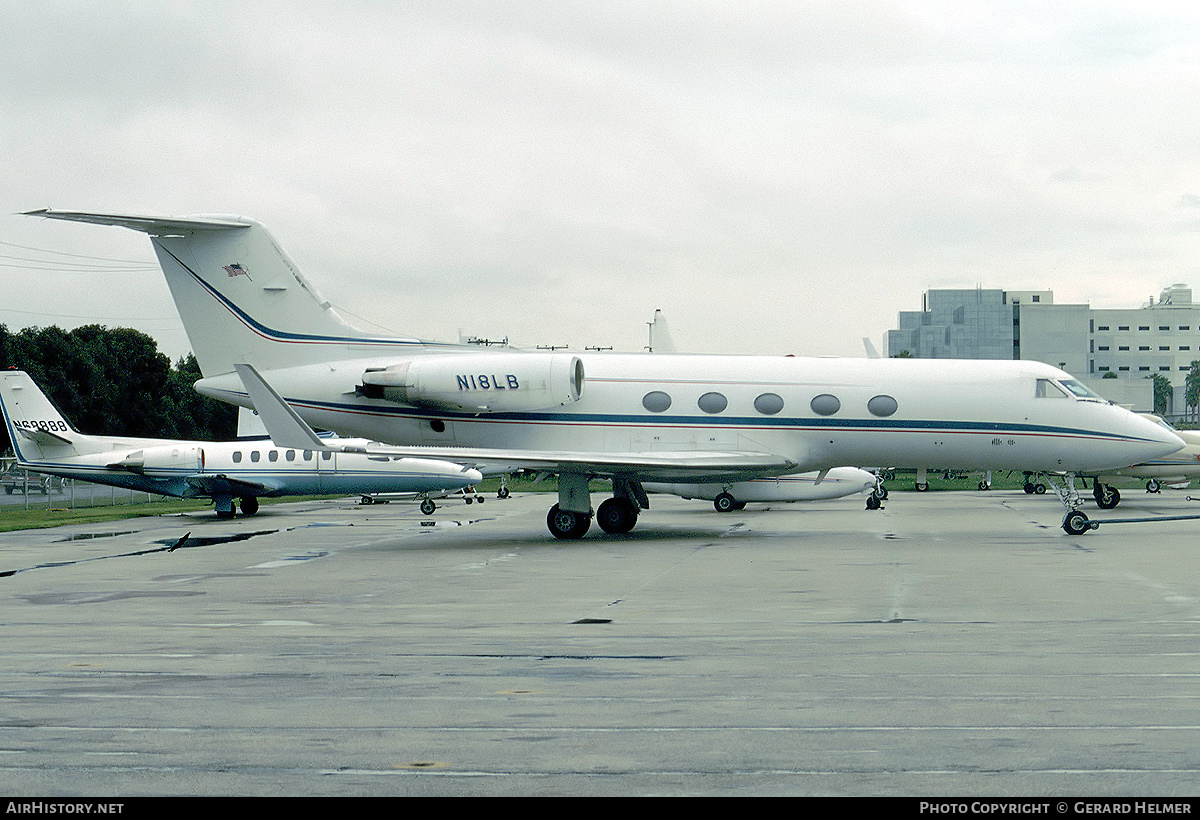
{"type": "Point", "coordinates": [725, 503]}
{"type": "Point", "coordinates": [922, 487]}
{"type": "Point", "coordinates": [1106, 497]}
{"type": "Point", "coordinates": [1152, 486]}
{"type": "Point", "coordinates": [873, 503]}
{"type": "Point", "coordinates": [1028, 488]}
{"type": "Point", "coordinates": [1075, 523]}
{"type": "Point", "coordinates": [1039, 488]}
{"type": "Point", "coordinates": [427, 506]}
{"type": "Point", "coordinates": [502, 492]}
{"type": "Point", "coordinates": [566, 524]}
{"type": "Point", "coordinates": [880, 493]}
{"type": "Point", "coordinates": [249, 505]}
{"type": "Point", "coordinates": [617, 515]}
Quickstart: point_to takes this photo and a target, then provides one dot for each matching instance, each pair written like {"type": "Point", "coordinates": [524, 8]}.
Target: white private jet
{"type": "Point", "coordinates": [631, 418]}
{"type": "Point", "coordinates": [245, 470]}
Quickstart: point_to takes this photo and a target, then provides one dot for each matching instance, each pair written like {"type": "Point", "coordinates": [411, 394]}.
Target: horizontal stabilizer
{"type": "Point", "coordinates": [153, 225]}
{"type": "Point", "coordinates": [43, 437]}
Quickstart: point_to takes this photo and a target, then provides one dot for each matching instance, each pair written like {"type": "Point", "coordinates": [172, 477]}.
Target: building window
{"type": "Point", "coordinates": [1102, 327]}
{"type": "Point", "coordinates": [1104, 347]}
{"type": "Point", "coordinates": [1144, 327]}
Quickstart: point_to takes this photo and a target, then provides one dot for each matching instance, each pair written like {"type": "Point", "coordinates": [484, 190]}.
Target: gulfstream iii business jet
{"type": "Point", "coordinates": [224, 471]}
{"type": "Point", "coordinates": [631, 418]}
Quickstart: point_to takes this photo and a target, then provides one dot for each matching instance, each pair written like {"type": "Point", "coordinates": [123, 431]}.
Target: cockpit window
{"type": "Point", "coordinates": [1080, 390]}
{"type": "Point", "coordinates": [1047, 389]}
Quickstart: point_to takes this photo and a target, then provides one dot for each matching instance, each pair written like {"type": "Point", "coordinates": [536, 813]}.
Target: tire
{"type": "Point", "coordinates": [427, 506]}
{"type": "Point", "coordinates": [724, 503]}
{"type": "Point", "coordinates": [1075, 523]}
{"type": "Point", "coordinates": [567, 525]}
{"type": "Point", "coordinates": [616, 516]}
{"type": "Point", "coordinates": [249, 505]}
{"type": "Point", "coordinates": [1107, 497]}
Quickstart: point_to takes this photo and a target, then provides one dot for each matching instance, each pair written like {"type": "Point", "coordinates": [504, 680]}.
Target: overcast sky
{"type": "Point", "coordinates": [777, 177]}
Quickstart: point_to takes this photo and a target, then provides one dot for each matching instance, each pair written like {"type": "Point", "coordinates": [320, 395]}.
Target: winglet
{"type": "Point", "coordinates": [283, 424]}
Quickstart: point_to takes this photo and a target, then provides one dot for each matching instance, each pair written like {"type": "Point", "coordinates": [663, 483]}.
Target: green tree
{"type": "Point", "coordinates": [1191, 389]}
{"type": "Point", "coordinates": [1163, 393]}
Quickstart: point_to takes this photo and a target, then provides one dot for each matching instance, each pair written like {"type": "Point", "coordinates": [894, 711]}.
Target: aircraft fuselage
{"type": "Point", "coordinates": [819, 413]}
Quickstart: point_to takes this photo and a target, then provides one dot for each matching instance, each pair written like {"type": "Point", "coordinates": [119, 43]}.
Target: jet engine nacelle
{"type": "Point", "coordinates": [169, 457]}
{"type": "Point", "coordinates": [480, 383]}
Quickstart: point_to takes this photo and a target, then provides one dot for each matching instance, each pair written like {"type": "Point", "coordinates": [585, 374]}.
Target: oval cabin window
{"type": "Point", "coordinates": [825, 404]}
{"type": "Point", "coordinates": [882, 406]}
{"type": "Point", "coordinates": [768, 404]}
{"type": "Point", "coordinates": [656, 401]}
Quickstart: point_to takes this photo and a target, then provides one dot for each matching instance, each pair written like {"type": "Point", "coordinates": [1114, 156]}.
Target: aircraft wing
{"type": "Point", "coordinates": [287, 429]}
{"type": "Point", "coordinates": [217, 484]}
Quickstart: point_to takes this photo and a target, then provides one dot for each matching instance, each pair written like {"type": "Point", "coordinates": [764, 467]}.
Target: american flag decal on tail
{"type": "Point", "coordinates": [237, 270]}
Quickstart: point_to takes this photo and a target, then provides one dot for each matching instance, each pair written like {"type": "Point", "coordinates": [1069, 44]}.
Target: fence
{"type": "Point", "coordinates": [34, 490]}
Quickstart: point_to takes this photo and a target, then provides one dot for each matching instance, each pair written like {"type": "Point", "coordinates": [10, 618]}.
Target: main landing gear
{"type": "Point", "coordinates": [227, 507]}
{"type": "Point", "coordinates": [571, 517]}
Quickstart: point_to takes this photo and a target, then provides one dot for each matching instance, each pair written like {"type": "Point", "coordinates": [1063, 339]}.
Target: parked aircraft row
{"type": "Point", "coordinates": [631, 418]}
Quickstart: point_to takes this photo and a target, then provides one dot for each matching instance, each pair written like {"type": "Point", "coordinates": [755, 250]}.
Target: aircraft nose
{"type": "Point", "coordinates": [1162, 440]}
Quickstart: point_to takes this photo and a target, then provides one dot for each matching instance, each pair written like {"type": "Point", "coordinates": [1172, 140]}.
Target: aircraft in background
{"type": "Point", "coordinates": [630, 418]}
{"type": "Point", "coordinates": [811, 486]}
{"type": "Point", "coordinates": [244, 470]}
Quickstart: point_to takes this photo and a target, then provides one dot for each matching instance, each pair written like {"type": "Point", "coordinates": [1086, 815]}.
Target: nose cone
{"type": "Point", "coordinates": [1149, 440]}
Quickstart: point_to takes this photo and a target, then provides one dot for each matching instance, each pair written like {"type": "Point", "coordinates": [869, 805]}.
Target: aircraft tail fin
{"type": "Point", "coordinates": [240, 297]}
{"type": "Point", "coordinates": [660, 335]}
{"type": "Point", "coordinates": [37, 430]}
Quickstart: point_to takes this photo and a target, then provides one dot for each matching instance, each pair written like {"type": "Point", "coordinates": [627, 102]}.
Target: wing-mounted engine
{"type": "Point", "coordinates": [166, 458]}
{"type": "Point", "coordinates": [480, 383]}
